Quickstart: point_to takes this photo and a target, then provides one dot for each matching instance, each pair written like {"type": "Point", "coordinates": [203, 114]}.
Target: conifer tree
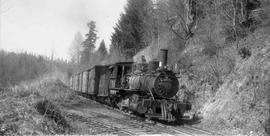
{"type": "Point", "coordinates": [89, 43]}
{"type": "Point", "coordinates": [131, 28]}
{"type": "Point", "coordinates": [102, 51]}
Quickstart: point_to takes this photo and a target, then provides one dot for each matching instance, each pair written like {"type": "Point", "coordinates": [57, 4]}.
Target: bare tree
{"type": "Point", "coordinates": [180, 16]}
{"type": "Point", "coordinates": [74, 50]}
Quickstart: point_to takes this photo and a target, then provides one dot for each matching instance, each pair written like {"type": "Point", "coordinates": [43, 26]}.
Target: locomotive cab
{"type": "Point", "coordinates": [118, 75]}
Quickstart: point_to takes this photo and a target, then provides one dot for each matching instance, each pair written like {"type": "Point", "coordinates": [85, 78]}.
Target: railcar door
{"type": "Point", "coordinates": [103, 81]}
{"type": "Point", "coordinates": [92, 82]}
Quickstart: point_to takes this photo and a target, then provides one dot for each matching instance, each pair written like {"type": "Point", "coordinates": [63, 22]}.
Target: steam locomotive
{"type": "Point", "coordinates": [143, 88]}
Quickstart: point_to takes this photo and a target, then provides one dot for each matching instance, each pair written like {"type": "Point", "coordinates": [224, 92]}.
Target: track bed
{"type": "Point", "coordinates": [94, 118]}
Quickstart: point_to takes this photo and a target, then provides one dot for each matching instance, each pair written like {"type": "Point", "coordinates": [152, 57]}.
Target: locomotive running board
{"type": "Point", "coordinates": [123, 89]}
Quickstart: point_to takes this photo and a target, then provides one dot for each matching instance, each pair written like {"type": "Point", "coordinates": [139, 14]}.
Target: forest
{"type": "Point", "coordinates": [19, 67]}
{"type": "Point", "coordinates": [177, 25]}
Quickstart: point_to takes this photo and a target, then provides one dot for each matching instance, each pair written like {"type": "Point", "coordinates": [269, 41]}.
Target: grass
{"type": "Point", "coordinates": [21, 108]}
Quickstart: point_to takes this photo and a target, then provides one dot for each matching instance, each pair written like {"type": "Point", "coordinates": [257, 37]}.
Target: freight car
{"type": "Point", "coordinates": [143, 88]}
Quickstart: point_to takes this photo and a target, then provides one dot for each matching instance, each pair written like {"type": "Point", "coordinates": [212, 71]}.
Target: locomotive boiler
{"type": "Point", "coordinates": [151, 91]}
{"type": "Point", "coordinates": [160, 84]}
{"type": "Point", "coordinates": [148, 89]}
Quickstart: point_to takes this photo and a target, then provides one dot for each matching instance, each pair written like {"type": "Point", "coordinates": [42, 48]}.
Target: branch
{"type": "Point", "coordinates": [182, 19]}
{"type": "Point", "coordinates": [227, 14]}
{"type": "Point", "coordinates": [176, 33]}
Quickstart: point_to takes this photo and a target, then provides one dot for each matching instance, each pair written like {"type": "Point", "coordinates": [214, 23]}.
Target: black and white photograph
{"type": "Point", "coordinates": [135, 67]}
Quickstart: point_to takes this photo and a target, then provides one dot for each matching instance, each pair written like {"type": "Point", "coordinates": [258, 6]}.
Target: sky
{"type": "Point", "coordinates": [46, 26]}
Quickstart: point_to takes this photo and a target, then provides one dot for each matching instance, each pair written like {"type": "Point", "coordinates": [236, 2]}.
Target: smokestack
{"type": "Point", "coordinates": [164, 57]}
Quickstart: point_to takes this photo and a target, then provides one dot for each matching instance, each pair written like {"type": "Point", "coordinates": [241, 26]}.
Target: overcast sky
{"type": "Point", "coordinates": [38, 26]}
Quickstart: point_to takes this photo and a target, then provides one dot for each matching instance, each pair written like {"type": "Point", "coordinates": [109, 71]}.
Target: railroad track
{"type": "Point", "coordinates": [183, 129]}
{"type": "Point", "coordinates": [138, 126]}
{"type": "Point", "coordinates": [189, 130]}
{"type": "Point", "coordinates": [200, 130]}
{"type": "Point", "coordinates": [132, 126]}
{"type": "Point", "coordinates": [116, 126]}
{"type": "Point", "coordinates": [101, 128]}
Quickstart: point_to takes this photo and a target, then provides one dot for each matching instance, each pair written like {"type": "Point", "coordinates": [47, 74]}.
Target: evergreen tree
{"type": "Point", "coordinates": [89, 43]}
{"type": "Point", "coordinates": [102, 51]}
{"type": "Point", "coordinates": [131, 29]}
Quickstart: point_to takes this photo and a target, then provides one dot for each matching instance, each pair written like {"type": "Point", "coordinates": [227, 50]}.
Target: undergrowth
{"type": "Point", "coordinates": [229, 90]}
{"type": "Point", "coordinates": [241, 103]}
{"type": "Point", "coordinates": [20, 106]}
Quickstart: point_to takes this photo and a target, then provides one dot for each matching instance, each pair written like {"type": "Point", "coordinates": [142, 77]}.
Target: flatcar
{"type": "Point", "coordinates": [143, 88]}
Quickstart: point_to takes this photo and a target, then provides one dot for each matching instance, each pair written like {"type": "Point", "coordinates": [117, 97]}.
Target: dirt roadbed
{"type": "Point", "coordinates": [91, 118]}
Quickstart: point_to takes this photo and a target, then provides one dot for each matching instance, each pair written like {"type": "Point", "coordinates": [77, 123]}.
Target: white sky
{"type": "Point", "coordinates": [36, 25]}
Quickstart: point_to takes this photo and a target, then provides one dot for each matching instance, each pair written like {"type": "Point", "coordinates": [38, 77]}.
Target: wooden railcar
{"type": "Point", "coordinates": [99, 80]}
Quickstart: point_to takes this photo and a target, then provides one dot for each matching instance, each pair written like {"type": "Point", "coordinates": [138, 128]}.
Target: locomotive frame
{"type": "Point", "coordinates": [109, 84]}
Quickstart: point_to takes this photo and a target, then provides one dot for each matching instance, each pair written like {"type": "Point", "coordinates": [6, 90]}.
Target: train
{"type": "Point", "coordinates": [147, 89]}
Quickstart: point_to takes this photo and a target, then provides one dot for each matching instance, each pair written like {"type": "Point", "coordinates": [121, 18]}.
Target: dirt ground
{"type": "Point", "coordinates": [90, 117]}
{"type": "Point", "coordinates": [50, 108]}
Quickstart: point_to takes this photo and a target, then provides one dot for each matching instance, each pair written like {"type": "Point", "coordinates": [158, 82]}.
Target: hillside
{"type": "Point", "coordinates": [227, 82]}
{"type": "Point", "coordinates": [220, 52]}
{"type": "Point", "coordinates": [21, 107]}
{"type": "Point", "coordinates": [229, 91]}
{"type": "Point", "coordinates": [241, 103]}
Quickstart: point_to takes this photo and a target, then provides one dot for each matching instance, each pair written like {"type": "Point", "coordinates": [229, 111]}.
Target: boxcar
{"type": "Point", "coordinates": [99, 80]}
